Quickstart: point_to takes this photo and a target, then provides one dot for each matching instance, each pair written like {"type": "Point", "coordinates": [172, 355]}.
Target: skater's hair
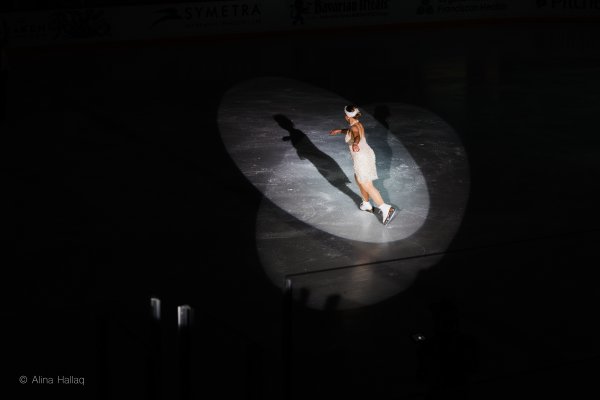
{"type": "Point", "coordinates": [351, 109]}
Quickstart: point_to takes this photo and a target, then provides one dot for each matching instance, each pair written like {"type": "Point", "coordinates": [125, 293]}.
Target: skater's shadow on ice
{"type": "Point", "coordinates": [327, 167]}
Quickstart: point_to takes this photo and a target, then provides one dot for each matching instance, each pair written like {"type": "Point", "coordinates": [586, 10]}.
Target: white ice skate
{"type": "Point", "coordinates": [388, 213]}
{"type": "Point", "coordinates": [366, 206]}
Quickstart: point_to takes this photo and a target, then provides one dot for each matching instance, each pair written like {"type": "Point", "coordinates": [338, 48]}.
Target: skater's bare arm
{"type": "Point", "coordinates": [338, 131]}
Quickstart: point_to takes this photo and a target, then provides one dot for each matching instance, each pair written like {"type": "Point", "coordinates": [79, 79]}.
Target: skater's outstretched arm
{"type": "Point", "coordinates": [338, 131]}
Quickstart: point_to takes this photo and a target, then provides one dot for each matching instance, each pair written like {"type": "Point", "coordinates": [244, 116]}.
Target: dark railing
{"type": "Point", "coordinates": [168, 351]}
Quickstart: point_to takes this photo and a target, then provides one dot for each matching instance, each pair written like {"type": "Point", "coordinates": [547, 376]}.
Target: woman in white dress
{"type": "Point", "coordinates": [365, 171]}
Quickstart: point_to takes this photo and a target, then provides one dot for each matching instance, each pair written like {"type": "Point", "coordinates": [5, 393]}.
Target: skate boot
{"type": "Point", "coordinates": [366, 206]}
{"type": "Point", "coordinates": [388, 213]}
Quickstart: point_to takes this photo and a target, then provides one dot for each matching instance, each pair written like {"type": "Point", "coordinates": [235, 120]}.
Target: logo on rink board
{"type": "Point", "coordinates": [425, 7]}
{"type": "Point", "coordinates": [303, 10]}
{"type": "Point", "coordinates": [570, 4]}
{"type": "Point", "coordinates": [79, 24]}
{"type": "Point", "coordinates": [428, 7]}
{"type": "Point", "coordinates": [209, 14]}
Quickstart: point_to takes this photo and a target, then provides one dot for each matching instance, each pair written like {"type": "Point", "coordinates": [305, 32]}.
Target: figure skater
{"type": "Point", "coordinates": [363, 158]}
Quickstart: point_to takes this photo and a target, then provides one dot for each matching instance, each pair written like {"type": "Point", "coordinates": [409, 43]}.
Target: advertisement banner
{"type": "Point", "coordinates": [219, 17]}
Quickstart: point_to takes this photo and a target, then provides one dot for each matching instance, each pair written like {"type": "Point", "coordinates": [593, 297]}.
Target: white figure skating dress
{"type": "Point", "coordinates": [363, 159]}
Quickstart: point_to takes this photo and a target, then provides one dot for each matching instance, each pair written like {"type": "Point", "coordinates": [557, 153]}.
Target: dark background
{"type": "Point", "coordinates": [120, 189]}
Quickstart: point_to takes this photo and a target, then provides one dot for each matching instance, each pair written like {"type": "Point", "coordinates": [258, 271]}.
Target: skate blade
{"type": "Point", "coordinates": [391, 217]}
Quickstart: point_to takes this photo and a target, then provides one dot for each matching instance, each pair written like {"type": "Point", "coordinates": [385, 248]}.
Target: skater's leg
{"type": "Point", "coordinates": [363, 193]}
{"type": "Point", "coordinates": [372, 192]}
{"type": "Point", "coordinates": [387, 211]}
{"type": "Point", "coordinates": [366, 204]}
